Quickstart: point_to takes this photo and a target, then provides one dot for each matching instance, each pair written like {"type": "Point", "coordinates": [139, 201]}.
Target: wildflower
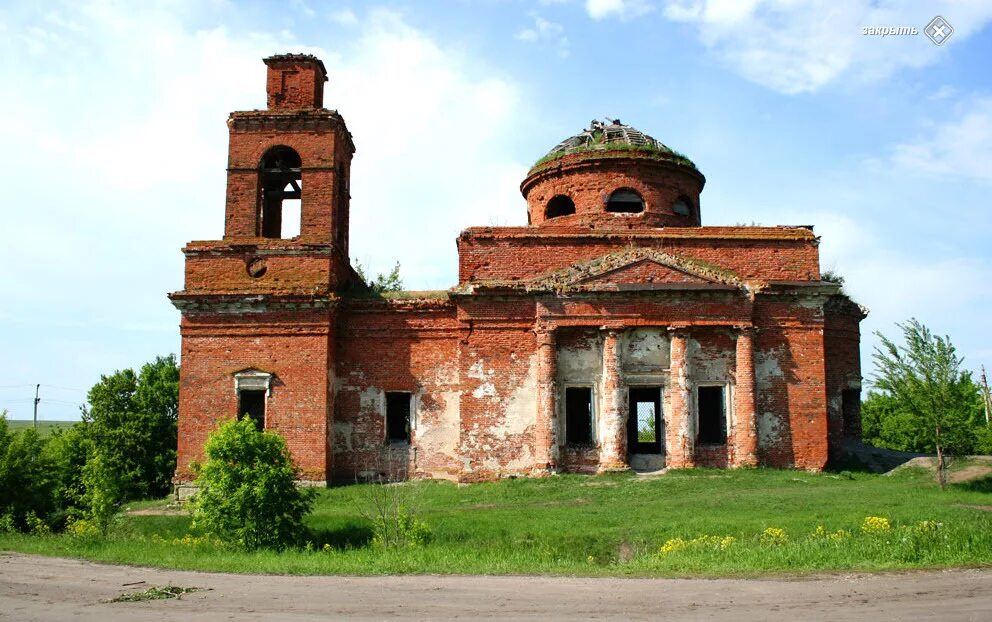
{"type": "Point", "coordinates": [672, 545]}
{"type": "Point", "coordinates": [838, 535]}
{"type": "Point", "coordinates": [773, 535]}
{"type": "Point", "coordinates": [874, 525]}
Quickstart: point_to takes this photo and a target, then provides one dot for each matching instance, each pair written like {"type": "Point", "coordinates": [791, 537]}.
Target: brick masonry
{"type": "Point", "coordinates": [594, 299]}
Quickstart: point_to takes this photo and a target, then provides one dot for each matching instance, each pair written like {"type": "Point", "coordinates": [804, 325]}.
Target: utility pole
{"type": "Point", "coordinates": [985, 394]}
{"type": "Point", "coordinates": [37, 399]}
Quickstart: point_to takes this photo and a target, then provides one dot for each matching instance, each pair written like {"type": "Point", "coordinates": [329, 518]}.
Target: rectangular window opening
{"type": "Point", "coordinates": [398, 417]}
{"type": "Point", "coordinates": [251, 404]}
{"type": "Point", "coordinates": [712, 411]}
{"type": "Point", "coordinates": [851, 412]}
{"type": "Point", "coordinates": [578, 415]}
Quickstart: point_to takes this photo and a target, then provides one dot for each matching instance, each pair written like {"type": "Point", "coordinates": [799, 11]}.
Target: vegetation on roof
{"type": "Point", "coordinates": [607, 150]}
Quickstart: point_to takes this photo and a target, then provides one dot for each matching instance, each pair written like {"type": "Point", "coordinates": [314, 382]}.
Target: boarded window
{"type": "Point", "coordinates": [712, 410]}
{"type": "Point", "coordinates": [398, 417]}
{"type": "Point", "coordinates": [251, 404]}
{"type": "Point", "coordinates": [578, 415]}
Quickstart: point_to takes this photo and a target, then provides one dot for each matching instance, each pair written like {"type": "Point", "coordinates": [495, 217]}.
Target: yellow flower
{"type": "Point", "coordinates": [675, 544]}
{"type": "Point", "coordinates": [875, 525]}
{"type": "Point", "coordinates": [773, 535]}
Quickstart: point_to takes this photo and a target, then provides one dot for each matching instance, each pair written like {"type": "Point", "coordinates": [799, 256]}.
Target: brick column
{"type": "Point", "coordinates": [613, 411]}
{"type": "Point", "coordinates": [680, 433]}
{"type": "Point", "coordinates": [546, 429]}
{"type": "Point", "coordinates": [745, 421]}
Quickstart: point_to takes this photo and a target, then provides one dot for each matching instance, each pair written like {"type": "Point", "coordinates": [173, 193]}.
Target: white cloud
{"type": "Point", "coordinates": [948, 291]}
{"type": "Point", "coordinates": [345, 17]}
{"type": "Point", "coordinates": [118, 155]}
{"type": "Point", "coordinates": [799, 47]}
{"type": "Point", "coordinates": [545, 31]}
{"type": "Point", "coordinates": [961, 147]}
{"type": "Point", "coordinates": [622, 9]}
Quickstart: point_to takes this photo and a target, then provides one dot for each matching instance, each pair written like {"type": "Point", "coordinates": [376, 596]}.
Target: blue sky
{"type": "Point", "coordinates": [114, 126]}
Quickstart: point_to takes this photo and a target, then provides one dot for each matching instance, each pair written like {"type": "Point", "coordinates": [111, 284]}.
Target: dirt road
{"type": "Point", "coordinates": [40, 588]}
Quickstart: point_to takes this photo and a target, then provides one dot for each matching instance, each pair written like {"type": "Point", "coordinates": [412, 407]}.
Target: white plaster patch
{"type": "Point", "coordinates": [371, 399]}
{"type": "Point", "coordinates": [769, 429]}
{"type": "Point", "coordinates": [521, 406]}
{"type": "Point", "coordinates": [438, 434]}
{"type": "Point", "coordinates": [486, 389]}
{"type": "Point", "coordinates": [646, 350]}
{"type": "Point", "coordinates": [581, 363]}
{"type": "Point", "coordinates": [766, 365]}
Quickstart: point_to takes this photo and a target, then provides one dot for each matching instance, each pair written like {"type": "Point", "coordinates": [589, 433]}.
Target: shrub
{"type": "Point", "coordinates": [104, 490]}
{"type": "Point", "coordinates": [247, 491]}
{"type": "Point", "coordinates": [26, 485]}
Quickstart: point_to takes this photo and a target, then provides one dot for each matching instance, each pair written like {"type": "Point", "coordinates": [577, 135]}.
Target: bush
{"type": "Point", "coordinates": [247, 489]}
{"type": "Point", "coordinates": [104, 490]}
{"type": "Point", "coordinates": [26, 484]}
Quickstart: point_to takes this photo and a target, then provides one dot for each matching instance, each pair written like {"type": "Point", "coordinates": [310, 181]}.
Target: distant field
{"type": "Point", "coordinates": [44, 427]}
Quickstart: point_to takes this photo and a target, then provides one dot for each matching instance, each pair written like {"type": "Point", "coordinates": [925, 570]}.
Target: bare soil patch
{"type": "Point", "coordinates": [43, 588]}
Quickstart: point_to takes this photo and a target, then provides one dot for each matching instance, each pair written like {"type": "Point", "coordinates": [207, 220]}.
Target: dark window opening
{"type": "Point", "coordinates": [280, 177]}
{"type": "Point", "coordinates": [625, 201]}
{"type": "Point", "coordinates": [578, 415]}
{"type": "Point", "coordinates": [851, 412]}
{"type": "Point", "coordinates": [560, 205]}
{"type": "Point", "coordinates": [251, 404]}
{"type": "Point", "coordinates": [712, 413]}
{"type": "Point", "coordinates": [398, 417]}
{"type": "Point", "coordinates": [682, 207]}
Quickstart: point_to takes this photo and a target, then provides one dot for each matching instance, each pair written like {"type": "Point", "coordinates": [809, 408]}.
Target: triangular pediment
{"type": "Point", "coordinates": [638, 268]}
{"type": "Point", "coordinates": [646, 271]}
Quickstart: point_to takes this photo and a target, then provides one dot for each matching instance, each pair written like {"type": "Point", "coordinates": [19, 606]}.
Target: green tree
{"type": "Point", "coordinates": [67, 450]}
{"type": "Point", "coordinates": [26, 484]}
{"type": "Point", "coordinates": [931, 396]}
{"type": "Point", "coordinates": [391, 282]}
{"type": "Point", "coordinates": [132, 423]}
{"type": "Point", "coordinates": [103, 490]}
{"type": "Point", "coordinates": [247, 488]}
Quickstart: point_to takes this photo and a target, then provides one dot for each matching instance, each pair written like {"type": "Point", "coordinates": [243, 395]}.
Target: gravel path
{"type": "Point", "coordinates": [43, 588]}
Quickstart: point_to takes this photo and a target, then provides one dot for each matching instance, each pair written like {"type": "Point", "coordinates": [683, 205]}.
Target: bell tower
{"type": "Point", "coordinates": [294, 156]}
{"type": "Point", "coordinates": [259, 305]}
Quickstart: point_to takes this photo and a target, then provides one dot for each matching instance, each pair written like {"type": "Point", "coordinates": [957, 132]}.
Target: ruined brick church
{"type": "Point", "coordinates": [613, 331]}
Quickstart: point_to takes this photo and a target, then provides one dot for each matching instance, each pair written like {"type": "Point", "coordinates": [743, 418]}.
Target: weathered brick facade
{"type": "Point", "coordinates": [613, 331]}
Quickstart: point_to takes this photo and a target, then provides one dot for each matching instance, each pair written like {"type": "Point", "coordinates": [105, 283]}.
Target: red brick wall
{"type": "Point", "coordinates": [791, 401]}
{"type": "Point", "coordinates": [294, 83]}
{"type": "Point", "coordinates": [786, 254]}
{"type": "Point", "coordinates": [291, 345]}
{"type": "Point", "coordinates": [589, 183]}
{"type": "Point", "coordinates": [325, 150]}
{"type": "Point", "coordinates": [842, 341]}
{"type": "Point", "coordinates": [396, 346]}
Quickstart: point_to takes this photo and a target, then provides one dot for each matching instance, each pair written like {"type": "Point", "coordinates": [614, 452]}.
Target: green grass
{"type": "Point", "coordinates": [605, 525]}
{"type": "Point", "coordinates": [45, 428]}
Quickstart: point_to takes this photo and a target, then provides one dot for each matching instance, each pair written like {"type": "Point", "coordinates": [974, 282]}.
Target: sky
{"type": "Point", "coordinates": [113, 122]}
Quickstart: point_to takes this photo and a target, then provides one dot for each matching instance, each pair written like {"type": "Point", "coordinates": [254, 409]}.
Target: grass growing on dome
{"type": "Point", "coordinates": [618, 150]}
{"type": "Point", "coordinates": [686, 523]}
